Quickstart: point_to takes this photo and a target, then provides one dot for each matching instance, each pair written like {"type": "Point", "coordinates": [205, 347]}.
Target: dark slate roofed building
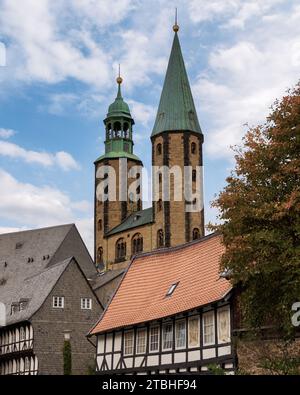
{"type": "Point", "coordinates": [48, 298]}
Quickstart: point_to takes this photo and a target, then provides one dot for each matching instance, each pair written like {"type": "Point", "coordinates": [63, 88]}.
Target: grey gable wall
{"type": "Point", "coordinates": [73, 246]}
{"type": "Point", "coordinates": [49, 324]}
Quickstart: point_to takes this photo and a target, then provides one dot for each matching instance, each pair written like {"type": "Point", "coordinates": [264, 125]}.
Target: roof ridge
{"type": "Point", "coordinates": [36, 229]}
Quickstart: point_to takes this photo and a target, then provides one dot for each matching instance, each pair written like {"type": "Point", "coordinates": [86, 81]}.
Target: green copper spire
{"type": "Point", "coordinates": [176, 111]}
{"type": "Point", "coordinates": [118, 126]}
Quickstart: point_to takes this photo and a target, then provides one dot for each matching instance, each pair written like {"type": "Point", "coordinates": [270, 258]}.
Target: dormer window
{"type": "Point", "coordinates": [172, 289]}
{"type": "Point", "coordinates": [23, 304]}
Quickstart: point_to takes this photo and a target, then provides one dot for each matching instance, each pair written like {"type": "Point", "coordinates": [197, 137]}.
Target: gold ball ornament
{"type": "Point", "coordinates": [119, 80]}
{"type": "Point", "coordinates": [176, 28]}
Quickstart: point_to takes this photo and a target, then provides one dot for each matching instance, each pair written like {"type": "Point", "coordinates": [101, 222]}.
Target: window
{"type": "Point", "coordinates": [154, 338]}
{"type": "Point", "coordinates": [160, 238]}
{"type": "Point", "coordinates": [100, 255]}
{"type": "Point", "coordinates": [22, 334]}
{"type": "Point", "coordinates": [58, 302]}
{"type": "Point", "coordinates": [128, 343]}
{"type": "Point", "coordinates": [194, 175]}
{"type": "Point", "coordinates": [196, 234]}
{"type": "Point", "coordinates": [193, 148]}
{"type": "Point", "coordinates": [172, 289]}
{"type": "Point", "coordinates": [194, 332]}
{"type": "Point", "coordinates": [100, 225]}
{"type": "Point", "coordinates": [158, 149]}
{"type": "Point", "coordinates": [137, 243]}
{"type": "Point", "coordinates": [86, 304]}
{"type": "Point", "coordinates": [15, 308]}
{"type": "Point", "coordinates": [120, 249]}
{"type": "Point", "coordinates": [224, 326]}
{"type": "Point", "coordinates": [141, 341]}
{"type": "Point", "coordinates": [208, 329]}
{"type": "Point", "coordinates": [180, 334]}
{"type": "Point", "coordinates": [167, 336]}
{"type": "Point", "coordinates": [27, 364]}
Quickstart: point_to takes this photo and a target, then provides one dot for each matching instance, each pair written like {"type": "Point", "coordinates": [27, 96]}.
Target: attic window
{"type": "Point", "coordinates": [137, 217]}
{"type": "Point", "coordinates": [172, 289]}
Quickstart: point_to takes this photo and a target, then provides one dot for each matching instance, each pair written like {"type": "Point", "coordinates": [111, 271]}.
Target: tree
{"type": "Point", "coordinates": [67, 356]}
{"type": "Point", "coordinates": [260, 218]}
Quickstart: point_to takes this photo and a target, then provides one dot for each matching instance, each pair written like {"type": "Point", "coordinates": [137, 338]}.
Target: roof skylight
{"type": "Point", "coordinates": [172, 289]}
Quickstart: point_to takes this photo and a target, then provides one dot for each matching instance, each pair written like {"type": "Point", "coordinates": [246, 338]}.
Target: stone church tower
{"type": "Point", "coordinates": [122, 228]}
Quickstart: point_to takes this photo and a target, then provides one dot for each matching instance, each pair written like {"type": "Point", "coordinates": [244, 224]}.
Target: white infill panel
{"type": "Point", "coordinates": [166, 359]}
{"type": "Point", "coordinates": [108, 343]}
{"type": "Point", "coordinates": [152, 360]}
{"type": "Point", "coordinates": [194, 355]}
{"type": "Point", "coordinates": [209, 353]}
{"type": "Point", "coordinates": [179, 357]}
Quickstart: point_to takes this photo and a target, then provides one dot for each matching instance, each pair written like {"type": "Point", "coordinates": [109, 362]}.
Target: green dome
{"type": "Point", "coordinates": [119, 106]}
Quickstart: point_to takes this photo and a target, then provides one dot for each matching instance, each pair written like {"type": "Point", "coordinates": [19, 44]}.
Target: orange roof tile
{"type": "Point", "coordinates": [141, 296]}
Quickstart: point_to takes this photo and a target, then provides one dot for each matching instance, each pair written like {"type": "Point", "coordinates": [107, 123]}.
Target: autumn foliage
{"type": "Point", "coordinates": [260, 216]}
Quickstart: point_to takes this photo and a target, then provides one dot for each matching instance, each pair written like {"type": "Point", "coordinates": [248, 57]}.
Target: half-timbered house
{"type": "Point", "coordinates": [171, 314]}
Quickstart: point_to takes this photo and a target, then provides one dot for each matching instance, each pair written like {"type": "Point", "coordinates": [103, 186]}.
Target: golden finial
{"type": "Point", "coordinates": [119, 79]}
{"type": "Point", "coordinates": [176, 27]}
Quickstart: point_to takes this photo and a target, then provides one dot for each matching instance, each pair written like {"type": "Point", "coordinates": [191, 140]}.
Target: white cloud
{"type": "Point", "coordinates": [62, 159]}
{"type": "Point", "coordinates": [6, 133]}
{"type": "Point", "coordinates": [142, 113]}
{"type": "Point", "coordinates": [236, 13]}
{"type": "Point", "coordinates": [86, 229]}
{"type": "Point", "coordinates": [243, 79]}
{"type": "Point", "coordinates": [32, 207]}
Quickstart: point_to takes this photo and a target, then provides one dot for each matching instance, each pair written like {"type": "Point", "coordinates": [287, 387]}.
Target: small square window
{"type": "Point", "coordinates": [86, 304]}
{"type": "Point", "coordinates": [58, 302]}
{"type": "Point", "coordinates": [172, 289]}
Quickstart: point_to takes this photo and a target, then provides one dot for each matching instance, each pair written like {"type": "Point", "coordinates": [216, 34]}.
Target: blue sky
{"type": "Point", "coordinates": [61, 64]}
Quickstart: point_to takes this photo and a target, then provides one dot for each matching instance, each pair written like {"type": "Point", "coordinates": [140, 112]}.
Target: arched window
{"type": "Point", "coordinates": [27, 364]}
{"type": "Point", "coordinates": [137, 243]}
{"type": "Point", "coordinates": [160, 238]}
{"type": "Point", "coordinates": [158, 149]}
{"type": "Point", "coordinates": [100, 255]}
{"type": "Point", "coordinates": [196, 234]}
{"type": "Point", "coordinates": [194, 175]}
{"type": "Point", "coordinates": [193, 148]}
{"type": "Point", "coordinates": [125, 130]}
{"type": "Point", "coordinates": [117, 129]}
{"type": "Point", "coordinates": [100, 225]}
{"type": "Point", "coordinates": [120, 249]}
{"type": "Point", "coordinates": [159, 205]}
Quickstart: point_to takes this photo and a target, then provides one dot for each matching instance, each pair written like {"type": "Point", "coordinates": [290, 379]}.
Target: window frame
{"type": "Point", "coordinates": [177, 323]}
{"type": "Point", "coordinates": [219, 312]}
{"type": "Point", "coordinates": [138, 332]}
{"type": "Point", "coordinates": [164, 348]}
{"type": "Point", "coordinates": [90, 303]}
{"type": "Point", "coordinates": [126, 333]}
{"type": "Point", "coordinates": [54, 306]}
{"type": "Point", "coordinates": [206, 314]}
{"type": "Point", "coordinates": [150, 338]}
{"type": "Point", "coordinates": [194, 318]}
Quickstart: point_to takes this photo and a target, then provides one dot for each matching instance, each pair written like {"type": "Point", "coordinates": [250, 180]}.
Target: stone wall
{"type": "Point", "coordinates": [49, 325]}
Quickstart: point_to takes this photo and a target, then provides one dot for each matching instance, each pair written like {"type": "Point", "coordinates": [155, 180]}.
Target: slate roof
{"type": "Point", "coordinates": [31, 262]}
{"type": "Point", "coordinates": [136, 219]}
{"type": "Point", "coordinates": [176, 111]}
{"type": "Point", "coordinates": [141, 296]}
{"type": "Point", "coordinates": [106, 277]}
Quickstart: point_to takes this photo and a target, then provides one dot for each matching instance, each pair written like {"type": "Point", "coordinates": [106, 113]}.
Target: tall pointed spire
{"type": "Point", "coordinates": [176, 111]}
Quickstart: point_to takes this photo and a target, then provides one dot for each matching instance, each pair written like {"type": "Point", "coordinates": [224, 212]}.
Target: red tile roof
{"type": "Point", "coordinates": [141, 296]}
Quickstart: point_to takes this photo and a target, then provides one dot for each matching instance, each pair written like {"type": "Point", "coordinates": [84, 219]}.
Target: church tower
{"type": "Point", "coordinates": [118, 150]}
{"type": "Point", "coordinates": [177, 141]}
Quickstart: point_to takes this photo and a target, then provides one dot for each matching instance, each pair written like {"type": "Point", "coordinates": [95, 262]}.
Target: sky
{"type": "Point", "coordinates": [58, 65]}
